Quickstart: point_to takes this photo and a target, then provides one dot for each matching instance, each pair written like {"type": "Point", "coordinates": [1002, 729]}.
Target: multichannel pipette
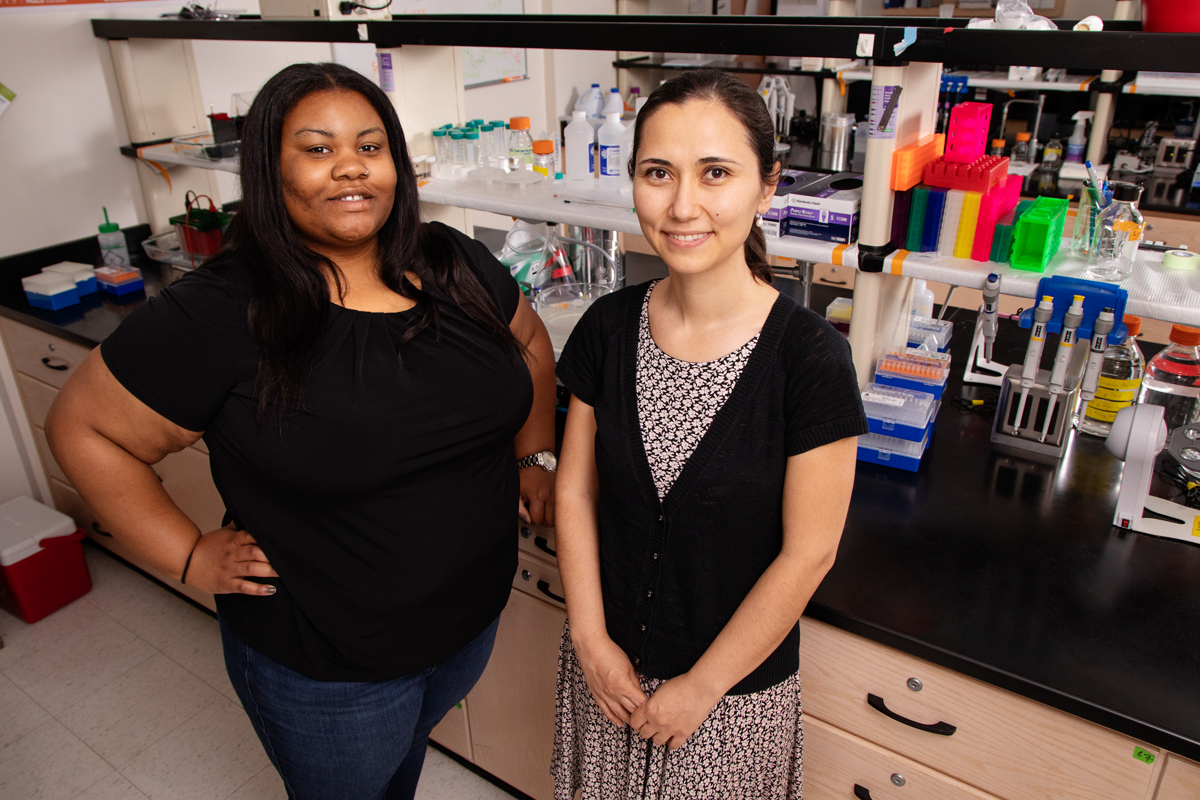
{"type": "Point", "coordinates": [1033, 354]}
{"type": "Point", "coordinates": [1091, 373]}
{"type": "Point", "coordinates": [991, 303]}
{"type": "Point", "coordinates": [1062, 358]}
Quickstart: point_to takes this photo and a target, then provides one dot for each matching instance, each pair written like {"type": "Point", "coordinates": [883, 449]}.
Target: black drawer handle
{"type": "Point", "coordinates": [96, 527]}
{"type": "Point", "coordinates": [862, 792]}
{"type": "Point", "coordinates": [544, 545]}
{"type": "Point", "coordinates": [940, 728]}
{"type": "Point", "coordinates": [59, 367]}
{"type": "Point", "coordinates": [544, 588]}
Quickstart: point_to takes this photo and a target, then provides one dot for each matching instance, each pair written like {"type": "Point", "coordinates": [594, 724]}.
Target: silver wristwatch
{"type": "Point", "coordinates": [545, 459]}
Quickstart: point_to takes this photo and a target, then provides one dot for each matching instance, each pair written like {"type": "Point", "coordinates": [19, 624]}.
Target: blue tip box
{"type": "Point", "coordinates": [50, 291]}
{"type": "Point", "coordinates": [84, 275]}
{"type": "Point", "coordinates": [891, 452]}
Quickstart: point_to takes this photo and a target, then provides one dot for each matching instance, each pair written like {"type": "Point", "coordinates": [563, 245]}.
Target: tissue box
{"type": "Point", "coordinates": [50, 291]}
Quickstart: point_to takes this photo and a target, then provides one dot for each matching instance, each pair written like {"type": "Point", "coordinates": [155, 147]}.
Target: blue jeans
{"type": "Point", "coordinates": [343, 740]}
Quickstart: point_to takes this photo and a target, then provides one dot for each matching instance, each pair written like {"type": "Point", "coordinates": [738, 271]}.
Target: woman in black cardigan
{"type": "Point", "coordinates": [705, 477]}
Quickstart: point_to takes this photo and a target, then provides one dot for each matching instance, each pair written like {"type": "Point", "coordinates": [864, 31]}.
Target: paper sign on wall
{"type": "Point", "coordinates": [6, 97]}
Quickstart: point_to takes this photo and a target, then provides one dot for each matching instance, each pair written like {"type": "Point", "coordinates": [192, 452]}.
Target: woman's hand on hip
{"type": "Point", "coordinates": [224, 559]}
{"type": "Point", "coordinates": [674, 712]}
{"type": "Point", "coordinates": [537, 495]}
{"type": "Point", "coordinates": [611, 678]}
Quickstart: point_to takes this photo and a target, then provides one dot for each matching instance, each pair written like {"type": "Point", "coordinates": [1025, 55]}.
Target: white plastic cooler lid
{"type": "Point", "coordinates": [23, 523]}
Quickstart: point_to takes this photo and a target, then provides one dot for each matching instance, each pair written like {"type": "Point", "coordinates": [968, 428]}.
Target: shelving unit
{"type": "Point", "coordinates": [882, 294]}
{"type": "Point", "coordinates": [978, 79]}
{"type": "Point", "coordinates": [726, 64]}
{"type": "Point", "coordinates": [166, 154]}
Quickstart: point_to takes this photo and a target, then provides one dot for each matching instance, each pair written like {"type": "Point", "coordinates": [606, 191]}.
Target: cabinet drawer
{"type": "Point", "coordinates": [43, 445]}
{"type": "Point", "coordinates": [538, 540]}
{"type": "Point", "coordinates": [537, 578]}
{"type": "Point", "coordinates": [37, 398]}
{"type": "Point", "coordinates": [837, 764]}
{"type": "Point", "coordinates": [40, 355]}
{"type": "Point", "coordinates": [1004, 744]}
{"type": "Point", "coordinates": [68, 501]}
{"type": "Point", "coordinates": [1180, 780]}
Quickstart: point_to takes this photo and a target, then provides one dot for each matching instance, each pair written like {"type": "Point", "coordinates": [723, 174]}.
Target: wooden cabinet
{"type": "Point", "coordinates": [1180, 780]}
{"type": "Point", "coordinates": [1004, 744]}
{"type": "Point", "coordinates": [42, 363]}
{"type": "Point", "coordinates": [511, 710]}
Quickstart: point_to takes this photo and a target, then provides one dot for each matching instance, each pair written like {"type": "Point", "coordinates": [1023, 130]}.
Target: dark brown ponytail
{"type": "Point", "coordinates": [749, 108]}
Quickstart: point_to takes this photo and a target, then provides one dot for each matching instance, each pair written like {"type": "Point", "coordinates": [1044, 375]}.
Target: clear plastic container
{"type": "Point", "coordinates": [474, 149]}
{"type": "Point", "coordinates": [441, 146]}
{"type": "Point", "coordinates": [113, 251]}
{"type": "Point", "coordinates": [889, 451]}
{"type": "Point", "coordinates": [458, 148]}
{"type": "Point", "coordinates": [1052, 155]}
{"type": "Point", "coordinates": [1120, 380]}
{"type": "Point", "coordinates": [579, 160]}
{"type": "Point", "coordinates": [520, 144]}
{"type": "Point", "coordinates": [1116, 235]}
{"type": "Point", "coordinates": [920, 329]}
{"type": "Point", "coordinates": [562, 305]}
{"type": "Point", "coordinates": [838, 314]}
{"type": "Point", "coordinates": [612, 172]}
{"type": "Point", "coordinates": [1172, 379]}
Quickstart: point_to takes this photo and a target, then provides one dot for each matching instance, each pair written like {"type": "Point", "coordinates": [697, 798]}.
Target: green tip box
{"type": "Point", "coordinates": [1038, 234]}
{"type": "Point", "coordinates": [1002, 242]}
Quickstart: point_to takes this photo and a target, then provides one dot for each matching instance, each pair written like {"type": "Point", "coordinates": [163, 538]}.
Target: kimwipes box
{"type": "Point", "coordinates": [816, 206]}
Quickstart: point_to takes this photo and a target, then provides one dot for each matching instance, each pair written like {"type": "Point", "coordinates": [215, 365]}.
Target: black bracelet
{"type": "Point", "coordinates": [187, 564]}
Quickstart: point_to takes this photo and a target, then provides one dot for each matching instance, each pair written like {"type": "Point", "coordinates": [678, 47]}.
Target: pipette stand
{"type": "Point", "coordinates": [1023, 437]}
{"type": "Point", "coordinates": [1136, 438]}
{"type": "Point", "coordinates": [976, 361]}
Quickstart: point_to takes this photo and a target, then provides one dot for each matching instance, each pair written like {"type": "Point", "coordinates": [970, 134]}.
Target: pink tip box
{"type": "Point", "coordinates": [995, 204]}
{"type": "Point", "coordinates": [967, 136]}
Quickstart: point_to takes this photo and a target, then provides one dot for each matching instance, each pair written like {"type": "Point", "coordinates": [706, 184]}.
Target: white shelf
{"type": "Point", "coordinates": [1154, 291]}
{"type": "Point", "coordinates": [166, 154]}
{"type": "Point", "coordinates": [548, 209]}
{"type": "Point", "coordinates": [1169, 91]}
{"type": "Point", "coordinates": [992, 80]}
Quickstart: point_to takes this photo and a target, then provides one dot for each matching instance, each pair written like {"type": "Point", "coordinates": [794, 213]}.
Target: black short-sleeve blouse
{"type": "Point", "coordinates": [386, 504]}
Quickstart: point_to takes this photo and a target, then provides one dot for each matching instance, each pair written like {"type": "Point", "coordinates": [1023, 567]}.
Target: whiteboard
{"type": "Point", "coordinates": [481, 65]}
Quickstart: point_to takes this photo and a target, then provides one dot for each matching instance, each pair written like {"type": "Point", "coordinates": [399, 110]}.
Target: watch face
{"type": "Point", "coordinates": [549, 460]}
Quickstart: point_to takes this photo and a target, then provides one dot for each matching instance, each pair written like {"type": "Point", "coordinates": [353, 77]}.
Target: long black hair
{"type": "Point", "coordinates": [290, 303]}
{"type": "Point", "coordinates": [745, 104]}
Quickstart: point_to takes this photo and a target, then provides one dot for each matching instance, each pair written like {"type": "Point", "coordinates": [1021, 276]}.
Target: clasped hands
{"type": "Point", "coordinates": [669, 716]}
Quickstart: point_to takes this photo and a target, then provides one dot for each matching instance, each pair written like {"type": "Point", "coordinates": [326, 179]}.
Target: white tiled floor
{"type": "Point", "coordinates": [122, 695]}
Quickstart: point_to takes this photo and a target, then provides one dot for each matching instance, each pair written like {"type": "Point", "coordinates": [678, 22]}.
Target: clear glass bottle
{"type": "Point", "coordinates": [1052, 155]}
{"type": "Point", "coordinates": [1116, 235]}
{"type": "Point", "coordinates": [543, 158]}
{"type": "Point", "coordinates": [1173, 379]}
{"type": "Point", "coordinates": [1120, 380]}
{"type": "Point", "coordinates": [520, 144]}
{"type": "Point", "coordinates": [998, 146]}
{"type": "Point", "coordinates": [1020, 151]}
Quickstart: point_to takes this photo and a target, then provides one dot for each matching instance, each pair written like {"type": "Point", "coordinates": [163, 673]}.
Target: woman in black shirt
{"type": "Point", "coordinates": [705, 477]}
{"type": "Point", "coordinates": [364, 383]}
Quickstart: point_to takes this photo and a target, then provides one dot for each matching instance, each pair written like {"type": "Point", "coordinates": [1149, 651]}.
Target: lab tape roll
{"type": "Point", "coordinates": [1181, 259]}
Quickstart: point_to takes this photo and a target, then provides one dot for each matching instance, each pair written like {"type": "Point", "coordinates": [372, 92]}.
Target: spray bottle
{"type": "Point", "coordinates": [1077, 144]}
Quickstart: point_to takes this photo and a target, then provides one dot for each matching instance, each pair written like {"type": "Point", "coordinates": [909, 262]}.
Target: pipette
{"type": "Point", "coordinates": [1062, 358]}
{"type": "Point", "coordinates": [1091, 373]}
{"type": "Point", "coordinates": [991, 303]}
{"type": "Point", "coordinates": [1033, 354]}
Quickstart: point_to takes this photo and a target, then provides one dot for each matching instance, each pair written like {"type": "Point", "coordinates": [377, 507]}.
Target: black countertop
{"type": "Point", "coordinates": [991, 565]}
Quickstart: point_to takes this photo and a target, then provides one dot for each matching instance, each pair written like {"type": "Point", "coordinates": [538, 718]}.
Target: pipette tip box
{"type": "Point", "coordinates": [50, 291]}
{"type": "Point", "coordinates": [119, 280]}
{"type": "Point", "coordinates": [838, 314]}
{"type": "Point", "coordinates": [934, 209]}
{"type": "Point", "coordinates": [921, 328]}
{"type": "Point", "coordinates": [1038, 234]}
{"type": "Point", "coordinates": [915, 370]}
{"type": "Point", "coordinates": [898, 413]}
{"type": "Point", "coordinates": [84, 275]}
{"type": "Point", "coordinates": [889, 451]}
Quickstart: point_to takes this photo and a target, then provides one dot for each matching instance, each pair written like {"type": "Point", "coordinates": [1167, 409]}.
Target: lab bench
{"type": "Point", "coordinates": [992, 580]}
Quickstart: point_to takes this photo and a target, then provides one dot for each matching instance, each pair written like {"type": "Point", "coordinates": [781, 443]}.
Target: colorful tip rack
{"type": "Point", "coordinates": [1038, 234]}
{"type": "Point", "coordinates": [967, 135]}
{"type": "Point", "coordinates": [908, 163]}
{"type": "Point", "coordinates": [979, 175]}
